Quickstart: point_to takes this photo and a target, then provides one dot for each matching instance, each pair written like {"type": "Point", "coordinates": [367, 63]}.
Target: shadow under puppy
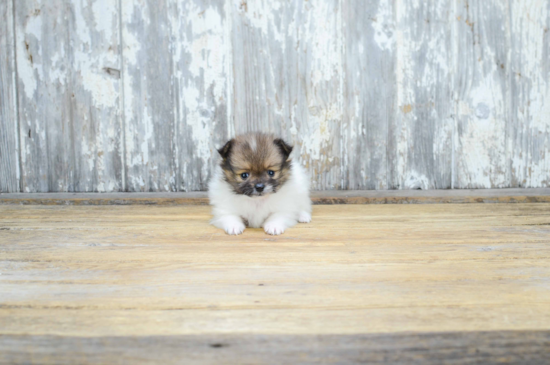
{"type": "Point", "coordinates": [257, 184]}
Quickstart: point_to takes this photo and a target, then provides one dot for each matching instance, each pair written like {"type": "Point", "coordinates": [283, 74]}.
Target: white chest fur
{"type": "Point", "coordinates": [275, 212]}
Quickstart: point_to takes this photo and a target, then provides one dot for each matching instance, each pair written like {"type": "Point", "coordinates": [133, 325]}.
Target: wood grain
{"type": "Point", "coordinates": [104, 279]}
{"type": "Point", "coordinates": [136, 95]}
{"type": "Point", "coordinates": [370, 87]}
{"type": "Point", "coordinates": [45, 96]}
{"type": "Point", "coordinates": [483, 94]}
{"type": "Point", "coordinates": [149, 96]}
{"type": "Point", "coordinates": [528, 135]}
{"type": "Point", "coordinates": [9, 144]}
{"type": "Point", "coordinates": [201, 54]}
{"type": "Point", "coordinates": [68, 86]}
{"type": "Point", "coordinates": [177, 60]}
{"type": "Point", "coordinates": [501, 347]}
{"type": "Point", "coordinates": [420, 139]}
{"type": "Point", "coordinates": [288, 79]}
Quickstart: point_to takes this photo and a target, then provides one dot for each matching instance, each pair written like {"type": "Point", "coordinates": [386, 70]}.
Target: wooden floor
{"type": "Point", "coordinates": [436, 284]}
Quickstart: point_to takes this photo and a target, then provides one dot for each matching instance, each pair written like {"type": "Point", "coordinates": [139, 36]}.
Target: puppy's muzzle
{"type": "Point", "coordinates": [259, 187]}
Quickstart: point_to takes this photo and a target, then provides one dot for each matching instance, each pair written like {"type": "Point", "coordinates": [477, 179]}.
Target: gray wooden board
{"type": "Point", "coordinates": [482, 92]}
{"type": "Point", "coordinates": [499, 347]}
{"type": "Point", "coordinates": [176, 58]}
{"type": "Point", "coordinates": [420, 137]}
{"type": "Point", "coordinates": [9, 145]}
{"type": "Point", "coordinates": [148, 96]}
{"type": "Point", "coordinates": [288, 79]}
{"type": "Point", "coordinates": [201, 54]}
{"type": "Point", "coordinates": [528, 135]}
{"type": "Point", "coordinates": [370, 88]}
{"type": "Point", "coordinates": [68, 85]}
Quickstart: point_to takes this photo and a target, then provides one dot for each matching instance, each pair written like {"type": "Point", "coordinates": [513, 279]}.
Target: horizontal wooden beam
{"type": "Point", "coordinates": [404, 348]}
{"type": "Point", "coordinates": [539, 195]}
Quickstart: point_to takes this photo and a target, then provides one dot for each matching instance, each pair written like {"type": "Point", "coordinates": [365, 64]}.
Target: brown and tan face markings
{"type": "Point", "coordinates": [253, 160]}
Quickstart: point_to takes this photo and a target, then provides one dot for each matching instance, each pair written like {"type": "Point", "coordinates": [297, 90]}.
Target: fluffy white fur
{"type": "Point", "coordinates": [274, 212]}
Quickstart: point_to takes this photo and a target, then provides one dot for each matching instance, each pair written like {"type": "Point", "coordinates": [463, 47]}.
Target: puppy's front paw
{"type": "Point", "coordinates": [274, 228]}
{"type": "Point", "coordinates": [304, 217]}
{"type": "Point", "coordinates": [234, 228]}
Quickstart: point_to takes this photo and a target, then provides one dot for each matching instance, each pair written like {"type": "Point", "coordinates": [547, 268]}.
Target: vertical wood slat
{"type": "Point", "coordinates": [9, 151]}
{"type": "Point", "coordinates": [288, 79]}
{"type": "Point", "coordinates": [370, 86]}
{"type": "Point", "coordinates": [44, 98]}
{"type": "Point", "coordinates": [201, 55]}
{"type": "Point", "coordinates": [96, 85]}
{"type": "Point", "coordinates": [420, 140]}
{"type": "Point", "coordinates": [176, 102]}
{"type": "Point", "coordinates": [482, 87]}
{"type": "Point", "coordinates": [68, 82]}
{"type": "Point", "coordinates": [528, 134]}
{"type": "Point", "coordinates": [148, 96]}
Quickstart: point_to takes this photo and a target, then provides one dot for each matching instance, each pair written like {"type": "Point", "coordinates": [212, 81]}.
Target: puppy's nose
{"type": "Point", "coordinates": [259, 187]}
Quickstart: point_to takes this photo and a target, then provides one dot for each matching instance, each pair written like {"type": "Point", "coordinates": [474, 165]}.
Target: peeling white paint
{"type": "Point", "coordinates": [383, 26]}
{"type": "Point", "coordinates": [29, 41]}
{"type": "Point", "coordinates": [416, 180]}
{"type": "Point", "coordinates": [131, 45]}
{"type": "Point", "coordinates": [298, 86]}
{"type": "Point", "coordinates": [104, 17]}
{"type": "Point", "coordinates": [262, 15]}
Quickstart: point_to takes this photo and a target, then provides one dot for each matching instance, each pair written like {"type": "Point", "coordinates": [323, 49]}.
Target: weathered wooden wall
{"type": "Point", "coordinates": [135, 95]}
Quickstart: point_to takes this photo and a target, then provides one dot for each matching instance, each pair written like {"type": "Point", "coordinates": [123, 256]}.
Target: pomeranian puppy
{"type": "Point", "coordinates": [258, 185]}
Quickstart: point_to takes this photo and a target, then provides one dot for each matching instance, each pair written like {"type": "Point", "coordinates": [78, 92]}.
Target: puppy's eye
{"type": "Point", "coordinates": [244, 175]}
{"type": "Point", "coordinates": [270, 172]}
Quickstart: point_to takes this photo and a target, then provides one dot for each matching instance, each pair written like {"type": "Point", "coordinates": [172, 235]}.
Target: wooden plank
{"type": "Point", "coordinates": [415, 282]}
{"type": "Point", "coordinates": [289, 79]}
{"type": "Point", "coordinates": [176, 103]}
{"type": "Point", "coordinates": [96, 113]}
{"type": "Point", "coordinates": [503, 347]}
{"type": "Point", "coordinates": [370, 89]}
{"type": "Point", "coordinates": [9, 145]}
{"type": "Point", "coordinates": [201, 55]}
{"type": "Point", "coordinates": [68, 67]}
{"type": "Point", "coordinates": [483, 94]}
{"type": "Point", "coordinates": [149, 97]}
{"type": "Point", "coordinates": [540, 195]}
{"type": "Point", "coordinates": [161, 259]}
{"type": "Point", "coordinates": [529, 130]}
{"type": "Point", "coordinates": [420, 139]}
{"type": "Point", "coordinates": [43, 65]}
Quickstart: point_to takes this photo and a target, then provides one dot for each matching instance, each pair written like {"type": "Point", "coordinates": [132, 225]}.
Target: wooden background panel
{"type": "Point", "coordinates": [420, 139]}
{"type": "Point", "coordinates": [317, 127]}
{"type": "Point", "coordinates": [384, 95]}
{"type": "Point", "coordinates": [257, 35]}
{"type": "Point", "coordinates": [483, 94]}
{"type": "Point", "coordinates": [202, 69]}
{"type": "Point", "coordinates": [149, 96]}
{"type": "Point", "coordinates": [68, 62]}
{"type": "Point", "coordinates": [288, 79]}
{"type": "Point", "coordinates": [95, 96]}
{"type": "Point", "coordinates": [9, 145]}
{"type": "Point", "coordinates": [529, 128]}
{"type": "Point", "coordinates": [370, 87]}
{"type": "Point", "coordinates": [45, 93]}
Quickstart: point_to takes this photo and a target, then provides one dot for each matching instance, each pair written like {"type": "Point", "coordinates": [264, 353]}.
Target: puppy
{"type": "Point", "coordinates": [258, 185]}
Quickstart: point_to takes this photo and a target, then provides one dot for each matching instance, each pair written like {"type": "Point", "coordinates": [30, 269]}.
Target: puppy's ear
{"type": "Point", "coordinates": [283, 147]}
{"type": "Point", "coordinates": [226, 149]}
